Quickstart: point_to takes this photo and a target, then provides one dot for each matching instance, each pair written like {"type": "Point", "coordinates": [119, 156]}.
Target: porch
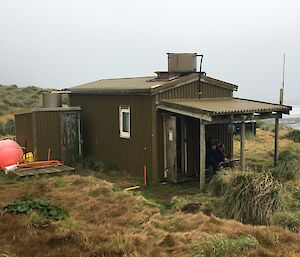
{"type": "Point", "coordinates": [189, 124]}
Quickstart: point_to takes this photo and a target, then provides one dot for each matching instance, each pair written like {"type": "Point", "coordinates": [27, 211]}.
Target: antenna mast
{"type": "Point", "coordinates": [282, 87]}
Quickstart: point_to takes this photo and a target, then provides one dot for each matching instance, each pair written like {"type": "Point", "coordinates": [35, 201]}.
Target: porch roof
{"type": "Point", "coordinates": [206, 108]}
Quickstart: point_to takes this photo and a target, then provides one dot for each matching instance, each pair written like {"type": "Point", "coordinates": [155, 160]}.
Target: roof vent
{"type": "Point", "coordinates": [182, 62]}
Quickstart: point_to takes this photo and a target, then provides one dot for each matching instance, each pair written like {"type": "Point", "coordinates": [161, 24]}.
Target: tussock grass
{"type": "Point", "coordinates": [294, 135]}
{"type": "Point", "coordinates": [248, 197]}
{"type": "Point", "coordinates": [287, 220]}
{"type": "Point", "coordinates": [288, 167]}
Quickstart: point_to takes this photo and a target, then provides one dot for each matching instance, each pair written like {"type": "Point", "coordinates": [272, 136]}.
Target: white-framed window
{"type": "Point", "coordinates": [124, 117]}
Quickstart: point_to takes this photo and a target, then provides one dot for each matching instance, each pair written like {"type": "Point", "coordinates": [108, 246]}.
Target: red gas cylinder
{"type": "Point", "coordinates": [10, 153]}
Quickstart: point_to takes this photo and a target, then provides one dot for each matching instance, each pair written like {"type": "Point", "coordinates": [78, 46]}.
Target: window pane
{"type": "Point", "coordinates": [126, 122]}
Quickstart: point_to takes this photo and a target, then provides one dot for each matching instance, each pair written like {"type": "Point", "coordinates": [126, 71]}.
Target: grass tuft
{"type": "Point", "coordinates": [294, 135]}
{"type": "Point", "coordinates": [222, 247]}
{"type": "Point", "coordinates": [248, 197]}
{"type": "Point", "coordinates": [287, 220]}
{"type": "Point", "coordinates": [117, 244]}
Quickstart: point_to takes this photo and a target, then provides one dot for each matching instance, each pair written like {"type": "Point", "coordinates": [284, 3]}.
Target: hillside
{"type": "Point", "coordinates": [15, 99]}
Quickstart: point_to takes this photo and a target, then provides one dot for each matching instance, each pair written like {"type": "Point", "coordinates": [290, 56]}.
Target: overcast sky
{"type": "Point", "coordinates": [63, 43]}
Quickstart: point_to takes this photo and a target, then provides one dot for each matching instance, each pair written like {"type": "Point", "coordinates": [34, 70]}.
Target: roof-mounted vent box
{"type": "Point", "coordinates": [182, 62]}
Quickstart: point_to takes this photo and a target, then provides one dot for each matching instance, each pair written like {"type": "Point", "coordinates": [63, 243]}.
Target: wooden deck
{"type": "Point", "coordinates": [42, 171]}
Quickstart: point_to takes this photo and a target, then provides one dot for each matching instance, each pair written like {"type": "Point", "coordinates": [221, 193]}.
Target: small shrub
{"type": "Point", "coordinates": [287, 220]}
{"type": "Point", "coordinates": [220, 246]}
{"type": "Point", "coordinates": [293, 135]}
{"type": "Point", "coordinates": [251, 197]}
{"type": "Point", "coordinates": [44, 208]}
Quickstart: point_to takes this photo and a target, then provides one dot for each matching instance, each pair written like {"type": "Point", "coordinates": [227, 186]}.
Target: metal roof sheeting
{"type": "Point", "coordinates": [223, 106]}
{"type": "Point", "coordinates": [120, 83]}
{"type": "Point", "coordinates": [144, 84]}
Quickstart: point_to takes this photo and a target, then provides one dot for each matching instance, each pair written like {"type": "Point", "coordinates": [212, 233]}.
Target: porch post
{"type": "Point", "coordinates": [276, 152]}
{"type": "Point", "coordinates": [202, 152]}
{"type": "Point", "coordinates": [242, 148]}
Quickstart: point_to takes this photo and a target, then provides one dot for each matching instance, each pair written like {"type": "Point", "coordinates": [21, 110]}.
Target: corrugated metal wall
{"type": "Point", "coordinates": [24, 135]}
{"type": "Point", "coordinates": [190, 91]}
{"type": "Point", "coordinates": [40, 130]}
{"type": "Point", "coordinates": [212, 91]}
{"type": "Point", "coordinates": [47, 134]}
{"type": "Point", "coordinates": [100, 124]}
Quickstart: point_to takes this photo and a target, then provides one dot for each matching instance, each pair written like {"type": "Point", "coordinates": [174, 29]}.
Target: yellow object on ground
{"type": "Point", "coordinates": [28, 157]}
{"type": "Point", "coordinates": [131, 188]}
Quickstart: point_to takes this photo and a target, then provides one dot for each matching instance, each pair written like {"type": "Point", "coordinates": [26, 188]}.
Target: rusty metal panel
{"type": "Point", "coordinates": [24, 134]}
{"type": "Point", "coordinates": [101, 137]}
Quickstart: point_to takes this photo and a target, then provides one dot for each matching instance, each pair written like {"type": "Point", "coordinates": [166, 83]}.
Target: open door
{"type": "Point", "coordinates": [170, 148]}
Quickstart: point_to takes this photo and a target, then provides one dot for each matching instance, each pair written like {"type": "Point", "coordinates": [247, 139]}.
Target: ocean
{"type": "Point", "coordinates": [292, 120]}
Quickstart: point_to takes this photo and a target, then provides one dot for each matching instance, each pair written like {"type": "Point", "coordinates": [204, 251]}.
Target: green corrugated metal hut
{"type": "Point", "coordinates": [163, 121]}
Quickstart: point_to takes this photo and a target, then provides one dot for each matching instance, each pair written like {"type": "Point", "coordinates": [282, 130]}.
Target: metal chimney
{"type": "Point", "coordinates": [51, 100]}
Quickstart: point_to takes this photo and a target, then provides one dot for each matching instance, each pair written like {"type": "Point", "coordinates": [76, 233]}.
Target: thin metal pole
{"type": "Point", "coordinates": [200, 74]}
{"type": "Point", "coordinates": [276, 146]}
{"type": "Point", "coordinates": [202, 154]}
